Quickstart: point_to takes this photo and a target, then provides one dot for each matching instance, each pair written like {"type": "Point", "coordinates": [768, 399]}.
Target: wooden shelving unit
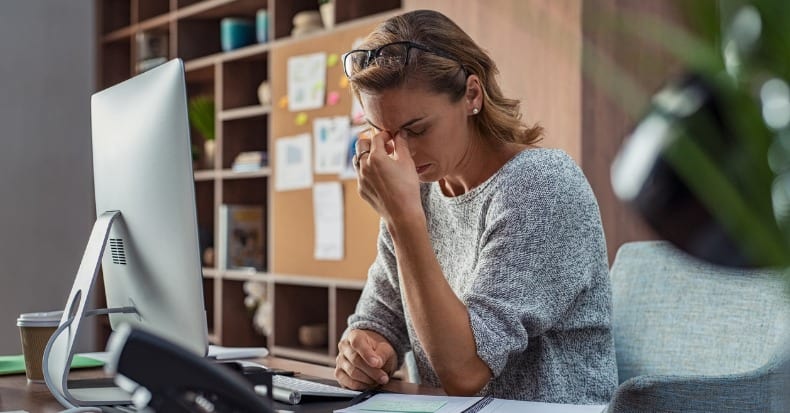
{"type": "Point", "coordinates": [242, 124]}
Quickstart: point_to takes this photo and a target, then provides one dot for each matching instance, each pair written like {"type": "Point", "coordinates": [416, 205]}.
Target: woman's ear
{"type": "Point", "coordinates": [474, 95]}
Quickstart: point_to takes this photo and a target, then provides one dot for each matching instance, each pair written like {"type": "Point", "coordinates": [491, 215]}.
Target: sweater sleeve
{"type": "Point", "coordinates": [380, 307]}
{"type": "Point", "coordinates": [532, 265]}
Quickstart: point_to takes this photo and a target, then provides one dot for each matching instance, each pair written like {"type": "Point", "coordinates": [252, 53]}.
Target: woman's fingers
{"type": "Point", "coordinates": [355, 365]}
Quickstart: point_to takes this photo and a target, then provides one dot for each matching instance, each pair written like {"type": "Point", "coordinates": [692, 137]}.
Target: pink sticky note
{"type": "Point", "coordinates": [332, 98]}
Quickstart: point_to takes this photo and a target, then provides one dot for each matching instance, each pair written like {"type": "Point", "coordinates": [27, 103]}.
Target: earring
{"type": "Point", "coordinates": [475, 111]}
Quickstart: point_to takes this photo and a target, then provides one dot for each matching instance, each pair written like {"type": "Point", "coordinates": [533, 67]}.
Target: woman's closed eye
{"type": "Point", "coordinates": [411, 133]}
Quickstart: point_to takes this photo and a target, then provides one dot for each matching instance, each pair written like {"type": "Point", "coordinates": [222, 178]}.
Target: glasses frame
{"type": "Point", "coordinates": [372, 54]}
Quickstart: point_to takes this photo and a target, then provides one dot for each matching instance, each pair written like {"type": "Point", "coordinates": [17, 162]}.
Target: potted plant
{"type": "Point", "coordinates": [201, 118]}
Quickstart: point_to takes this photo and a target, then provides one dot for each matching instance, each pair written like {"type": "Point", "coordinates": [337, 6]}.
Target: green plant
{"type": "Point", "coordinates": [201, 116]}
{"type": "Point", "coordinates": [726, 132]}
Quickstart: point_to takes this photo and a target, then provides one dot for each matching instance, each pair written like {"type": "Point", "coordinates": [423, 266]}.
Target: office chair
{"type": "Point", "coordinates": [692, 337]}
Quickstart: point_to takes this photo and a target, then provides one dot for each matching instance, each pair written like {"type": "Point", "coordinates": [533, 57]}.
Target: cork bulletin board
{"type": "Point", "coordinates": [292, 211]}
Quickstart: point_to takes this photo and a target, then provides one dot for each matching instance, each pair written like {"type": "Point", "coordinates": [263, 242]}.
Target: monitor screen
{"type": "Point", "coordinates": [146, 228]}
{"type": "Point", "coordinates": [142, 166]}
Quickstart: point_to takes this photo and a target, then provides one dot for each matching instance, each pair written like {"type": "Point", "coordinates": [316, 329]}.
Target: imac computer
{"type": "Point", "coordinates": [145, 236]}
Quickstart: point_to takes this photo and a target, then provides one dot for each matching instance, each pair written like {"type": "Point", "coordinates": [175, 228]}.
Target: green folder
{"type": "Point", "coordinates": [16, 364]}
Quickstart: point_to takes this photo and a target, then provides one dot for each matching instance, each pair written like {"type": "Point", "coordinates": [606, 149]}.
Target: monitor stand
{"type": "Point", "coordinates": [59, 351]}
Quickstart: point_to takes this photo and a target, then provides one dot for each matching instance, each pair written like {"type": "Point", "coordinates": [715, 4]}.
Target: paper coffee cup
{"type": "Point", "coordinates": [35, 329]}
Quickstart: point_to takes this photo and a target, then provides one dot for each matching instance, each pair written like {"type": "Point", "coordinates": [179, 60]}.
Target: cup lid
{"type": "Point", "coordinates": [43, 319]}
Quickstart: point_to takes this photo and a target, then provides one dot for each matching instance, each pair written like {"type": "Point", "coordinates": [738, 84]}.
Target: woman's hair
{"type": "Point", "coordinates": [499, 117]}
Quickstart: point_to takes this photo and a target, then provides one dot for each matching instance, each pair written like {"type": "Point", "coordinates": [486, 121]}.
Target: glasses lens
{"type": "Point", "coordinates": [392, 55]}
{"type": "Point", "coordinates": [355, 61]}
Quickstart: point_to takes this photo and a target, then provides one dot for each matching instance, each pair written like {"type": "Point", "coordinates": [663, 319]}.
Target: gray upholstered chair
{"type": "Point", "coordinates": [691, 337]}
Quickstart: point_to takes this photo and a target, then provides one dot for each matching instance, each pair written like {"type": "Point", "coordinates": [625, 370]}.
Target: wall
{"type": "Point", "coordinates": [606, 120]}
{"type": "Point", "coordinates": [537, 47]}
{"type": "Point", "coordinates": [46, 212]}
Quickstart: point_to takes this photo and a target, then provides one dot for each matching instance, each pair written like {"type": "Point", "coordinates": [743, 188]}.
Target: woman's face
{"type": "Point", "coordinates": [436, 129]}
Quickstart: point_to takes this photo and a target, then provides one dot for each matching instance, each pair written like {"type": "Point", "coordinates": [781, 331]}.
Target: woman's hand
{"type": "Point", "coordinates": [365, 359]}
{"type": "Point", "coordinates": [387, 177]}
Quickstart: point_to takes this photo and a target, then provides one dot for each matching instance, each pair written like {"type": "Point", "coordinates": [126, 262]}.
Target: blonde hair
{"type": "Point", "coordinates": [499, 117]}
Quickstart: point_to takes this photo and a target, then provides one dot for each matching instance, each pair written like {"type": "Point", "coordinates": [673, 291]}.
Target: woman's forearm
{"type": "Point", "coordinates": [440, 318]}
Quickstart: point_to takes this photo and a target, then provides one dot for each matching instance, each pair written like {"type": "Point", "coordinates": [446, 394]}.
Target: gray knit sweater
{"type": "Point", "coordinates": [525, 253]}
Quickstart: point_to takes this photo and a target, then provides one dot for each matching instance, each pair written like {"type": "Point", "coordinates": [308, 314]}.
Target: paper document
{"type": "Point", "coordinates": [412, 403]}
{"type": "Point", "coordinates": [306, 81]}
{"type": "Point", "coordinates": [520, 406]}
{"type": "Point", "coordinates": [331, 137]}
{"type": "Point", "coordinates": [293, 163]}
{"type": "Point", "coordinates": [328, 220]}
{"type": "Point", "coordinates": [409, 403]}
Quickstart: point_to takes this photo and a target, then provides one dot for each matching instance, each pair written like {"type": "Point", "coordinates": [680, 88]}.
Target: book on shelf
{"type": "Point", "coordinates": [241, 237]}
{"type": "Point", "coordinates": [249, 161]}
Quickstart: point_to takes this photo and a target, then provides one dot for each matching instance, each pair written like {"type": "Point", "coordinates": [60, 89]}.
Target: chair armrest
{"type": "Point", "coordinates": [761, 390]}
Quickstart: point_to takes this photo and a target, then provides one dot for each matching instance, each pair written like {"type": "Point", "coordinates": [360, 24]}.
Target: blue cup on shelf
{"type": "Point", "coordinates": [236, 33]}
{"type": "Point", "coordinates": [262, 25]}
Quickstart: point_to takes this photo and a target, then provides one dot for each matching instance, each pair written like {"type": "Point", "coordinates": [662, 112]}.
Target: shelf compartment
{"type": "Point", "coordinates": [199, 79]}
{"type": "Point", "coordinates": [251, 191]}
{"type": "Point", "coordinates": [204, 200]}
{"type": "Point", "coordinates": [285, 12]}
{"type": "Point", "coordinates": [237, 328]}
{"type": "Point", "coordinates": [217, 9]}
{"type": "Point", "coordinates": [148, 9]}
{"type": "Point", "coordinates": [197, 38]}
{"type": "Point", "coordinates": [345, 303]}
{"type": "Point", "coordinates": [117, 62]}
{"type": "Point", "coordinates": [208, 299]}
{"type": "Point", "coordinates": [243, 135]}
{"type": "Point", "coordinates": [295, 306]}
{"type": "Point", "coordinates": [347, 10]}
{"type": "Point", "coordinates": [245, 191]}
{"type": "Point", "coordinates": [241, 79]}
{"type": "Point", "coordinates": [115, 15]}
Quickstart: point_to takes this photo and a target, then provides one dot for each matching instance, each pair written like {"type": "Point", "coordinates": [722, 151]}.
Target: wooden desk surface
{"type": "Point", "coordinates": [17, 394]}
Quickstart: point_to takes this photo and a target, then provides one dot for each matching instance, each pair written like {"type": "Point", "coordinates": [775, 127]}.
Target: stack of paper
{"type": "Point", "coordinates": [407, 403]}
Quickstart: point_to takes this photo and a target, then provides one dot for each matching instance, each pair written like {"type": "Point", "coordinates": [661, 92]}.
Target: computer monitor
{"type": "Point", "coordinates": [146, 217]}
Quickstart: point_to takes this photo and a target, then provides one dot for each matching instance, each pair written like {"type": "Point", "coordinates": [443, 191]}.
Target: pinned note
{"type": "Point", "coordinates": [283, 102]}
{"type": "Point", "coordinates": [332, 60]}
{"type": "Point", "coordinates": [343, 82]}
{"type": "Point", "coordinates": [333, 98]}
{"type": "Point", "coordinates": [300, 119]}
{"type": "Point", "coordinates": [306, 81]}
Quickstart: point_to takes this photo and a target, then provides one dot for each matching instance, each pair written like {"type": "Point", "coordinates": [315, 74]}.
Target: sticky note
{"type": "Point", "coordinates": [407, 406]}
{"type": "Point", "coordinates": [332, 60]}
{"type": "Point", "coordinates": [332, 98]}
{"type": "Point", "coordinates": [301, 119]}
{"type": "Point", "coordinates": [343, 83]}
{"type": "Point", "coordinates": [283, 102]}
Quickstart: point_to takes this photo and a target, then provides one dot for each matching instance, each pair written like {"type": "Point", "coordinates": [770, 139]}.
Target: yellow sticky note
{"type": "Point", "coordinates": [343, 83]}
{"type": "Point", "coordinates": [283, 102]}
{"type": "Point", "coordinates": [332, 60]}
{"type": "Point", "coordinates": [301, 119]}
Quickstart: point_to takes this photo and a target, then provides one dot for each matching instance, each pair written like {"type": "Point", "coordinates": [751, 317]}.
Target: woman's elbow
{"type": "Point", "coordinates": [467, 383]}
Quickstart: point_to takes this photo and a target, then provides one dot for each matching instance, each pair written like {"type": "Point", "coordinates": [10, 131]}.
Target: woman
{"type": "Point", "coordinates": [491, 260]}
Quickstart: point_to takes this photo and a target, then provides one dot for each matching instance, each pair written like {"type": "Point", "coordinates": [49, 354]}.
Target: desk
{"type": "Point", "coordinates": [17, 394]}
